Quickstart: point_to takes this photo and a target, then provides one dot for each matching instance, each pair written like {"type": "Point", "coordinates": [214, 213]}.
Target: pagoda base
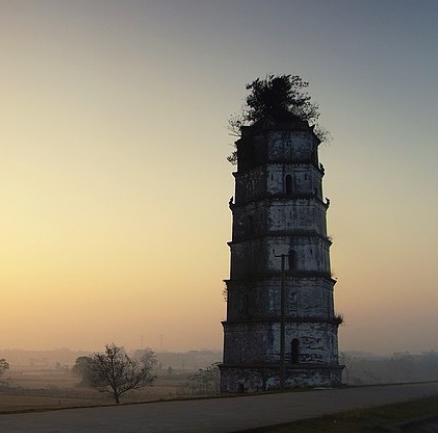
{"type": "Point", "coordinates": [239, 379]}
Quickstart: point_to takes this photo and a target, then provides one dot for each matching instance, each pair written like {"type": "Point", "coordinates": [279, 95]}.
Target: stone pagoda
{"type": "Point", "coordinates": [281, 328]}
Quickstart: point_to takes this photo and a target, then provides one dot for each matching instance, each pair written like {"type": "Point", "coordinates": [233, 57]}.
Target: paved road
{"type": "Point", "coordinates": [219, 415]}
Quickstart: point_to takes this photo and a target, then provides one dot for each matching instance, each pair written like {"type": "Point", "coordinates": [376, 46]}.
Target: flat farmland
{"type": "Point", "coordinates": [31, 389]}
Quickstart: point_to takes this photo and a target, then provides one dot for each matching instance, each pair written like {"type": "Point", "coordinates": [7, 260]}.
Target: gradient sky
{"type": "Point", "coordinates": [114, 184]}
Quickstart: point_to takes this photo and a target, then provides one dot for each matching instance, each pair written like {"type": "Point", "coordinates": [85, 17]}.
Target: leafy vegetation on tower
{"type": "Point", "coordinates": [277, 99]}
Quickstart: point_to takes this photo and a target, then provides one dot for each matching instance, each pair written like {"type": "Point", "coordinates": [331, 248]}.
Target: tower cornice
{"type": "Point", "coordinates": [335, 320]}
{"type": "Point", "coordinates": [289, 276]}
{"type": "Point", "coordinates": [266, 126]}
{"type": "Point", "coordinates": [282, 161]}
{"type": "Point", "coordinates": [283, 233]}
{"type": "Point", "coordinates": [277, 198]}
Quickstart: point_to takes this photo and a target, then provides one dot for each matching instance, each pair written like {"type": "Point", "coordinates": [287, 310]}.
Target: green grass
{"type": "Point", "coordinates": [373, 420]}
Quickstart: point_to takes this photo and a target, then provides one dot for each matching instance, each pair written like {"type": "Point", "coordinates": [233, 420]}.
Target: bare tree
{"type": "Point", "coordinates": [116, 373]}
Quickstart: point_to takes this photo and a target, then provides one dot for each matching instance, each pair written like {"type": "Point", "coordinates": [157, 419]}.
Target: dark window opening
{"type": "Point", "coordinates": [246, 156]}
{"type": "Point", "coordinates": [295, 351]}
{"type": "Point", "coordinates": [249, 225]}
{"type": "Point", "coordinates": [292, 260]}
{"type": "Point", "coordinates": [288, 184]}
{"type": "Point", "coordinates": [246, 305]}
{"type": "Point", "coordinates": [314, 157]}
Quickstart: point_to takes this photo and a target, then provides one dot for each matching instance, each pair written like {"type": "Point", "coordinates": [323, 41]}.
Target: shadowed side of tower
{"type": "Point", "coordinates": [279, 210]}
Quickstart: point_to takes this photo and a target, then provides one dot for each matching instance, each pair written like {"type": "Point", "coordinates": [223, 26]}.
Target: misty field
{"type": "Point", "coordinates": [30, 389]}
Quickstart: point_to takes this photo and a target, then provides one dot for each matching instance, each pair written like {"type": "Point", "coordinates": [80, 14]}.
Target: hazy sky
{"type": "Point", "coordinates": [114, 183]}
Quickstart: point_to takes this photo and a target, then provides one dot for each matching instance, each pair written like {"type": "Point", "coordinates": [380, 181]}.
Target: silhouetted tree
{"type": "Point", "coordinates": [83, 369]}
{"type": "Point", "coordinates": [205, 381]}
{"type": "Point", "coordinates": [403, 366]}
{"type": "Point", "coordinates": [348, 362]}
{"type": "Point", "coordinates": [116, 373]}
{"type": "Point", "coordinates": [279, 99]}
{"type": "Point", "coordinates": [4, 365]}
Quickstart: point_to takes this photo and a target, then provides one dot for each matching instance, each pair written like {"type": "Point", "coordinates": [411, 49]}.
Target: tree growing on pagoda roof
{"type": "Point", "coordinates": [278, 99]}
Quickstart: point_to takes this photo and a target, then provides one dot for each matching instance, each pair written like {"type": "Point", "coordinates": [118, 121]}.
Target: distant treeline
{"type": "Point", "coordinates": [192, 360]}
{"type": "Point", "coordinates": [360, 368]}
{"type": "Point", "coordinates": [400, 367]}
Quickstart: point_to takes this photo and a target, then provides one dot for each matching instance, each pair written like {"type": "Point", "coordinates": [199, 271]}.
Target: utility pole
{"type": "Point", "coordinates": [282, 325]}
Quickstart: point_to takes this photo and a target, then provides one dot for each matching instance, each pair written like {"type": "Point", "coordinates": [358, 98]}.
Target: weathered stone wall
{"type": "Point", "coordinates": [253, 379]}
{"type": "Point", "coordinates": [296, 215]}
{"type": "Point", "coordinates": [260, 343]}
{"type": "Point", "coordinates": [305, 177]}
{"type": "Point", "coordinates": [270, 181]}
{"type": "Point", "coordinates": [260, 256]}
{"type": "Point", "coordinates": [288, 145]}
{"type": "Point", "coordinates": [304, 297]}
{"type": "Point", "coordinates": [280, 216]}
{"type": "Point", "coordinates": [250, 185]}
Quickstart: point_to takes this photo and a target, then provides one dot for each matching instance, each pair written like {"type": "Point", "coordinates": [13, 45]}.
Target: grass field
{"type": "Point", "coordinates": [382, 419]}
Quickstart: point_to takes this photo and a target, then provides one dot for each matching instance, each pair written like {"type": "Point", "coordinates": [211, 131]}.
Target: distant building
{"type": "Point", "coordinates": [279, 216]}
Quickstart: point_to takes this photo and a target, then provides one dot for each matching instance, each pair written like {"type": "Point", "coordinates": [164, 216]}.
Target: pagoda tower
{"type": "Point", "coordinates": [281, 328]}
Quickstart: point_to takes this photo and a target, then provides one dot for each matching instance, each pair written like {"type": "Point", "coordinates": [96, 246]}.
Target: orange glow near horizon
{"type": "Point", "coordinates": [114, 184]}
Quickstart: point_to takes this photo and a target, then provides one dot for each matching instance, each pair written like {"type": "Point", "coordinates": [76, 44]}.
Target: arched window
{"type": "Point", "coordinates": [292, 260]}
{"type": "Point", "coordinates": [250, 225]}
{"type": "Point", "coordinates": [295, 351]}
{"type": "Point", "coordinates": [288, 184]}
